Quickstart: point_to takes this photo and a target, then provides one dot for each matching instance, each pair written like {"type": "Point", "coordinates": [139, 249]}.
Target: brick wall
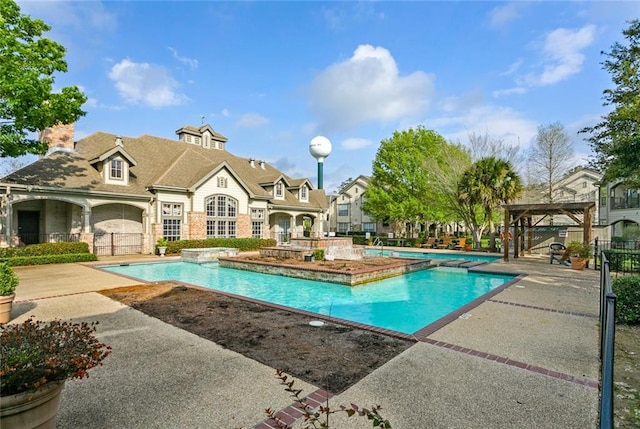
{"type": "Point", "coordinates": [60, 135]}
{"type": "Point", "coordinates": [244, 226]}
{"type": "Point", "coordinates": [197, 226]}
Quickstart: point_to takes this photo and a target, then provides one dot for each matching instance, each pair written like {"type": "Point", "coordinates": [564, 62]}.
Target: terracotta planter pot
{"type": "Point", "coordinates": [6, 302]}
{"type": "Point", "coordinates": [577, 263]}
{"type": "Point", "coordinates": [31, 410]}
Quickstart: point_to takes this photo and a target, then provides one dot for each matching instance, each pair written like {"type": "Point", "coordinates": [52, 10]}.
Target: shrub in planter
{"type": "Point", "coordinates": [8, 283]}
{"type": "Point", "coordinates": [8, 279]}
{"type": "Point", "coordinates": [34, 353]}
{"type": "Point", "coordinates": [627, 290]}
{"type": "Point", "coordinates": [36, 359]}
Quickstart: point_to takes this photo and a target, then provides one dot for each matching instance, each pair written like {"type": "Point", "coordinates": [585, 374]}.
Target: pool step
{"type": "Point", "coordinates": [461, 263]}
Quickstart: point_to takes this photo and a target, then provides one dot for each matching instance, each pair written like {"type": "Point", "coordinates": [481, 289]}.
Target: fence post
{"type": "Point", "coordinates": [113, 245]}
{"type": "Point", "coordinates": [596, 260]}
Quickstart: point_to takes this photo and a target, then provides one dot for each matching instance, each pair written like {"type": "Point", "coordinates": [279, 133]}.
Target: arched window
{"type": "Point", "coordinates": [222, 216]}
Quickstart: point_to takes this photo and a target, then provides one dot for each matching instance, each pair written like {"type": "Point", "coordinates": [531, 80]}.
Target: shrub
{"type": "Point", "coordinates": [35, 353]}
{"type": "Point", "coordinates": [50, 259]}
{"type": "Point", "coordinates": [43, 249]}
{"type": "Point", "coordinates": [8, 279]}
{"type": "Point", "coordinates": [243, 244]}
{"type": "Point", "coordinates": [579, 249]}
{"type": "Point", "coordinates": [318, 254]}
{"type": "Point", "coordinates": [627, 290]}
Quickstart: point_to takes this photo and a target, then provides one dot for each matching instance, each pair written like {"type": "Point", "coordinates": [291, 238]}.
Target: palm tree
{"type": "Point", "coordinates": [490, 182]}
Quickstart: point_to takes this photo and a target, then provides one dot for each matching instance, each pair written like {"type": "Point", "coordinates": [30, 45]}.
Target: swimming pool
{"type": "Point", "coordinates": [421, 255]}
{"type": "Point", "coordinates": [404, 304]}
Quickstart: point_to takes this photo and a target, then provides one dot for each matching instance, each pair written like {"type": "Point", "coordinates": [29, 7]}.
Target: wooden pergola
{"type": "Point", "coordinates": [519, 216]}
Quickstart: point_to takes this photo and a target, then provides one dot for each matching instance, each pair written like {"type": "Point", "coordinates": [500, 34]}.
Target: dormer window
{"type": "Point", "coordinates": [116, 170]}
{"type": "Point", "coordinates": [304, 194]}
{"type": "Point", "coordinates": [279, 190]}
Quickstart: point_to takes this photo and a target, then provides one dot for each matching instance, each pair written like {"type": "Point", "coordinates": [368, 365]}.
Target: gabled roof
{"type": "Point", "coordinates": [198, 131]}
{"type": "Point", "coordinates": [113, 151]}
{"type": "Point", "coordinates": [159, 163]}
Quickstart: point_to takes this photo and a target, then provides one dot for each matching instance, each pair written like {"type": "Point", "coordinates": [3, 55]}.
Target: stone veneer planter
{"type": "Point", "coordinates": [349, 278]}
{"type": "Point", "coordinates": [207, 254]}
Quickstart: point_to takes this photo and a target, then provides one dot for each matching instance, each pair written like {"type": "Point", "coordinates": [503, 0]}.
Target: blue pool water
{"type": "Point", "coordinates": [421, 255]}
{"type": "Point", "coordinates": [405, 304]}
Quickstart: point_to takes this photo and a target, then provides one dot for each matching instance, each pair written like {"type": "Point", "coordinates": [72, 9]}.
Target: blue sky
{"type": "Point", "coordinates": [272, 75]}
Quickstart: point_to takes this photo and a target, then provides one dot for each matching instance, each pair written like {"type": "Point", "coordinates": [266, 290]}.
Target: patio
{"type": "Point", "coordinates": [526, 357]}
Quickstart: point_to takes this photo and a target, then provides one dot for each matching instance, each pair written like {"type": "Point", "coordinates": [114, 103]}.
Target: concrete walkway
{"type": "Point", "coordinates": [525, 358]}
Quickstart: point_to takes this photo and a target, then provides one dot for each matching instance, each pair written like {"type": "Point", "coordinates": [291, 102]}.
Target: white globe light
{"type": "Point", "coordinates": [320, 148]}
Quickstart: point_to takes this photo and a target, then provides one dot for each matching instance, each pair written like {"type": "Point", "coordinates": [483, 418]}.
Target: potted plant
{"type": "Point", "coordinates": [8, 283]}
{"type": "Point", "coordinates": [579, 254]}
{"type": "Point", "coordinates": [36, 358]}
{"type": "Point", "coordinates": [162, 244]}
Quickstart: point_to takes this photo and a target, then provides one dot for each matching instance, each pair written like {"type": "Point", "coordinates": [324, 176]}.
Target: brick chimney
{"type": "Point", "coordinates": [60, 135]}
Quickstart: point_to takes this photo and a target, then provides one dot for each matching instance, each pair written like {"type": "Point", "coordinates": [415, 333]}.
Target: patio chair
{"type": "Point", "coordinates": [460, 244]}
{"type": "Point", "coordinates": [444, 243]}
{"type": "Point", "coordinates": [558, 253]}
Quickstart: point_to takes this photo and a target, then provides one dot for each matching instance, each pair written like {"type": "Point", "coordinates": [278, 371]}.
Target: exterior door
{"type": "Point", "coordinates": [29, 227]}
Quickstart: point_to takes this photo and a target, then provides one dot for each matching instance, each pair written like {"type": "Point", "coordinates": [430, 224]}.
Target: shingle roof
{"type": "Point", "coordinates": [160, 163]}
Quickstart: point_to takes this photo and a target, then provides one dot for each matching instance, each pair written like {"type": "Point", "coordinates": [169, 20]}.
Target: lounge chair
{"type": "Point", "coordinates": [430, 244]}
{"type": "Point", "coordinates": [558, 253]}
{"type": "Point", "coordinates": [461, 242]}
{"type": "Point", "coordinates": [445, 243]}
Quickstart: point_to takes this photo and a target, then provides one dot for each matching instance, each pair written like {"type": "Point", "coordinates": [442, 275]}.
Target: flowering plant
{"type": "Point", "coordinates": [35, 353]}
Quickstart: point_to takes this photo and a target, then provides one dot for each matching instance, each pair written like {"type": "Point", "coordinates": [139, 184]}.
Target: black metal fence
{"type": "Point", "coordinates": [54, 237]}
{"type": "Point", "coordinates": [623, 256]}
{"type": "Point", "coordinates": [607, 343]}
{"type": "Point", "coordinates": [115, 243]}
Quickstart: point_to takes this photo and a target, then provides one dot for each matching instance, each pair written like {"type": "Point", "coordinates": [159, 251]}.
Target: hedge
{"type": "Point", "coordinates": [44, 249]}
{"type": "Point", "coordinates": [50, 259]}
{"type": "Point", "coordinates": [243, 244]}
{"type": "Point", "coordinates": [627, 290]}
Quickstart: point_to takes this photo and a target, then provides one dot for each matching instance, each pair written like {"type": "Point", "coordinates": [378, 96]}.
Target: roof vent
{"type": "Point", "coordinates": [119, 141]}
{"type": "Point", "coordinates": [262, 164]}
{"type": "Point", "coordinates": [252, 162]}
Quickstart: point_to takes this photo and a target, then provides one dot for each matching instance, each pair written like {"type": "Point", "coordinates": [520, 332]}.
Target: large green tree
{"type": "Point", "coordinates": [482, 189]}
{"type": "Point", "coordinates": [615, 140]}
{"type": "Point", "coordinates": [405, 186]}
{"type": "Point", "coordinates": [28, 63]}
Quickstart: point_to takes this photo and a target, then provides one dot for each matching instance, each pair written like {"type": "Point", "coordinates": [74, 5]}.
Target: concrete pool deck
{"type": "Point", "coordinates": [527, 357]}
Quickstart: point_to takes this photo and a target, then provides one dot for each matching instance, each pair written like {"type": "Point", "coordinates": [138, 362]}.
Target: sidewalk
{"type": "Point", "coordinates": [525, 358]}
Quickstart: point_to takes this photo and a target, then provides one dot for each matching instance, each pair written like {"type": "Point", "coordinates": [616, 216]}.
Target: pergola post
{"type": "Point", "coordinates": [505, 246]}
{"type": "Point", "coordinates": [586, 229]}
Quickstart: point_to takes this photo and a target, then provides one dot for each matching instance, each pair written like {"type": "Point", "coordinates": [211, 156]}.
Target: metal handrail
{"type": "Point", "coordinates": [378, 242]}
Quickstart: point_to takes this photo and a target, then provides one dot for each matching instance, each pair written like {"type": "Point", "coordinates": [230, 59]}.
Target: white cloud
{"type": "Point", "coordinates": [509, 91]}
{"type": "Point", "coordinates": [192, 63]}
{"type": "Point", "coordinates": [251, 120]}
{"type": "Point", "coordinates": [502, 15]}
{"type": "Point", "coordinates": [355, 143]}
{"type": "Point", "coordinates": [367, 87]}
{"type": "Point", "coordinates": [563, 57]}
{"type": "Point", "coordinates": [143, 83]}
{"type": "Point", "coordinates": [500, 122]}
{"type": "Point", "coordinates": [225, 113]}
